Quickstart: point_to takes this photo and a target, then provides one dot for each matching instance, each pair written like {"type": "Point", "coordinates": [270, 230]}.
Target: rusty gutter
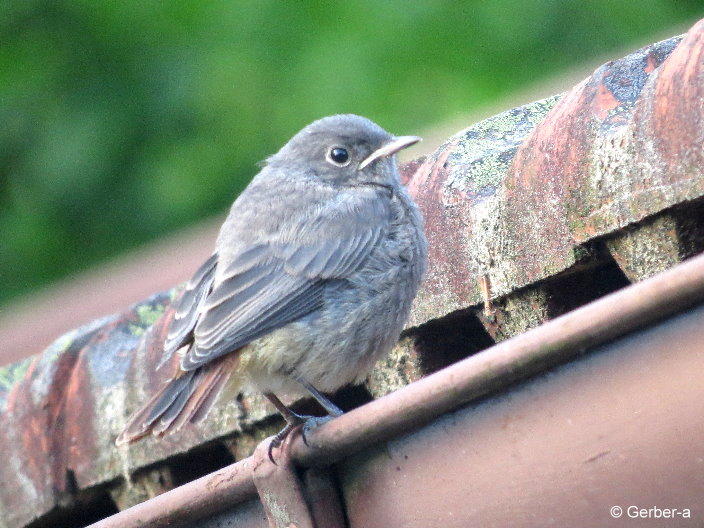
{"type": "Point", "coordinates": [408, 408]}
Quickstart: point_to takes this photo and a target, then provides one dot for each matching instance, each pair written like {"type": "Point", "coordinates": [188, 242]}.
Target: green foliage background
{"type": "Point", "coordinates": [122, 120]}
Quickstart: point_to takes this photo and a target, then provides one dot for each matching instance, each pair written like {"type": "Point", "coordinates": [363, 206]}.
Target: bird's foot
{"type": "Point", "coordinates": [293, 421]}
{"type": "Point", "coordinates": [278, 440]}
{"type": "Point", "coordinates": [311, 423]}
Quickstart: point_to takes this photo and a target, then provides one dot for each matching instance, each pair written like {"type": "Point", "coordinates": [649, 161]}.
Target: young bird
{"type": "Point", "coordinates": [311, 282]}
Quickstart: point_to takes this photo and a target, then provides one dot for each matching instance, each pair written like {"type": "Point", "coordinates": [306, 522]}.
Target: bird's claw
{"type": "Point", "coordinates": [280, 437]}
{"type": "Point", "coordinates": [309, 423]}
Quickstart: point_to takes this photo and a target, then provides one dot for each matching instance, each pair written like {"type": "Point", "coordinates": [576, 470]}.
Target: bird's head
{"type": "Point", "coordinates": [344, 150]}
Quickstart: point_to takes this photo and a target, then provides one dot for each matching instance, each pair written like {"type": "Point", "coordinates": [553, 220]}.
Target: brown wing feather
{"type": "Point", "coordinates": [201, 401]}
{"type": "Point", "coordinates": [184, 399]}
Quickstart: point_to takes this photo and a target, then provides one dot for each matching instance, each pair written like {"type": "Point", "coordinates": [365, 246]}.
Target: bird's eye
{"type": "Point", "coordinates": [338, 156]}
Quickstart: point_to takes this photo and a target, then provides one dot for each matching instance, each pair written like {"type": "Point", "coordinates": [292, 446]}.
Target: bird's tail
{"type": "Point", "coordinates": [186, 398]}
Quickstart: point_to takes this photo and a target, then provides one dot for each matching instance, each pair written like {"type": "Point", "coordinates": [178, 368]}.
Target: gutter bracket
{"type": "Point", "coordinates": [289, 502]}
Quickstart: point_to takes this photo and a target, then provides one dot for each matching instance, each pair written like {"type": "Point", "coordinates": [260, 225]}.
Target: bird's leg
{"type": "Point", "coordinates": [293, 420]}
{"type": "Point", "coordinates": [332, 409]}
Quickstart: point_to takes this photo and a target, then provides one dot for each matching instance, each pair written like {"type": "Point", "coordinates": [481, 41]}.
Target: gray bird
{"type": "Point", "coordinates": [311, 282]}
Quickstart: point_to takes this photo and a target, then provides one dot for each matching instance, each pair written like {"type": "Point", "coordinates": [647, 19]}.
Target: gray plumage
{"type": "Point", "coordinates": [312, 279]}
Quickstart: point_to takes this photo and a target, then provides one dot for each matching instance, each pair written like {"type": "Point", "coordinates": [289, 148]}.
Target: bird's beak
{"type": "Point", "coordinates": [390, 148]}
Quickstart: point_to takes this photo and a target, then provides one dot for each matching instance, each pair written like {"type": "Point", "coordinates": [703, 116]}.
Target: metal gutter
{"type": "Point", "coordinates": [401, 412]}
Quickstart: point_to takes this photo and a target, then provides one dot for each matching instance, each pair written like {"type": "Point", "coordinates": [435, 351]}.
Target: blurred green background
{"type": "Point", "coordinates": [124, 120]}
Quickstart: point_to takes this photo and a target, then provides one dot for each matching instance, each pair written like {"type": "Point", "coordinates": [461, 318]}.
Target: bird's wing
{"type": "Point", "coordinates": [281, 279]}
{"type": "Point", "coordinates": [188, 308]}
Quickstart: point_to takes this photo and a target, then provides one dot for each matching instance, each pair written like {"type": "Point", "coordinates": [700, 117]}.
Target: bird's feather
{"type": "Point", "coordinates": [184, 399]}
{"type": "Point", "coordinates": [282, 277]}
{"type": "Point", "coordinates": [188, 308]}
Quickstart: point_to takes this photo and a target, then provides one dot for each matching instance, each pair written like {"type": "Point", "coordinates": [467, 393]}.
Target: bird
{"type": "Point", "coordinates": [310, 284]}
